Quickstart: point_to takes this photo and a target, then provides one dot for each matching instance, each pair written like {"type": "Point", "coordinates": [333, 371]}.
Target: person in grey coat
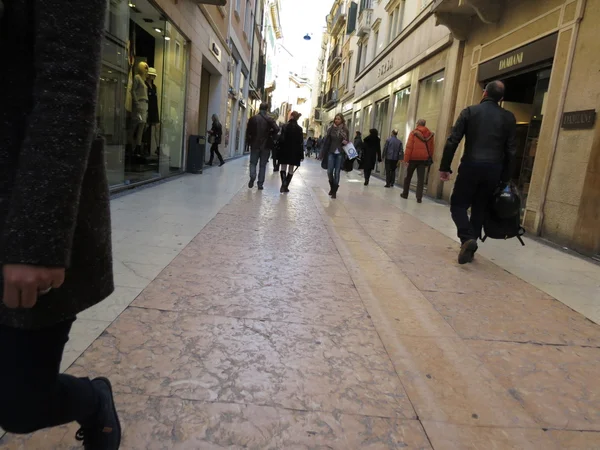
{"type": "Point", "coordinates": [55, 235]}
{"type": "Point", "coordinates": [393, 152]}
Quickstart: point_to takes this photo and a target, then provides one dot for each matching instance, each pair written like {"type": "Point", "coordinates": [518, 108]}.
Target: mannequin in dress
{"type": "Point", "coordinates": [139, 113]}
{"type": "Point", "coordinates": [153, 113]}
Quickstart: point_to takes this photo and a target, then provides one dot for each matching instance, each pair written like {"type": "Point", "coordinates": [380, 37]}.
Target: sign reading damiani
{"type": "Point", "coordinates": [520, 58]}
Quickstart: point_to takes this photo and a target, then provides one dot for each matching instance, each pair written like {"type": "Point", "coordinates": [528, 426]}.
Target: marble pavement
{"type": "Point", "coordinates": [247, 319]}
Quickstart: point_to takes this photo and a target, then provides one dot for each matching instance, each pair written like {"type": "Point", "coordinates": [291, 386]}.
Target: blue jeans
{"type": "Point", "coordinates": [334, 166]}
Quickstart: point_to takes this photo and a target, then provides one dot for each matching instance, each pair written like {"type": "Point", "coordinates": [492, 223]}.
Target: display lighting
{"type": "Point", "coordinates": [131, 5]}
{"type": "Point", "coordinates": [158, 30]}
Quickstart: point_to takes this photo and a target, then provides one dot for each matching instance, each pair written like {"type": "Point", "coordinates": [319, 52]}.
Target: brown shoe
{"type": "Point", "coordinates": [467, 251]}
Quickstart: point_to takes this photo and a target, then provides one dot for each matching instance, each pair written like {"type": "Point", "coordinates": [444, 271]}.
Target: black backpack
{"type": "Point", "coordinates": [503, 218]}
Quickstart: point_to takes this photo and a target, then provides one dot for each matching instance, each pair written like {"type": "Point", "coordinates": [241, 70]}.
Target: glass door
{"type": "Point", "coordinates": [533, 133]}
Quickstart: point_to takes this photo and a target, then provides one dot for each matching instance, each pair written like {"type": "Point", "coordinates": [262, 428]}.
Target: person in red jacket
{"type": "Point", "coordinates": [418, 154]}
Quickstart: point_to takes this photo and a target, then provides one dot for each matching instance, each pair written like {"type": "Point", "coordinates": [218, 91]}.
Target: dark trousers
{"type": "Point", "coordinates": [214, 148]}
{"type": "Point", "coordinates": [255, 157]}
{"type": "Point", "coordinates": [420, 167]}
{"type": "Point", "coordinates": [390, 171]}
{"type": "Point", "coordinates": [33, 394]}
{"type": "Point", "coordinates": [367, 173]}
{"type": "Point", "coordinates": [474, 186]}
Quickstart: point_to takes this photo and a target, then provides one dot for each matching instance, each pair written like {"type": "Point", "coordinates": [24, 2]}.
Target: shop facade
{"type": "Point", "coordinates": [544, 55]}
{"type": "Point", "coordinates": [412, 79]}
{"type": "Point", "coordinates": [162, 78]}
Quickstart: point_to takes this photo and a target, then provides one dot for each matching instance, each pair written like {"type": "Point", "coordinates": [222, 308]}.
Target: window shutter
{"type": "Point", "coordinates": [352, 12]}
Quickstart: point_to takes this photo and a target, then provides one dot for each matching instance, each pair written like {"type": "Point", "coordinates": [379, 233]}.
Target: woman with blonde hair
{"type": "Point", "coordinates": [291, 151]}
{"type": "Point", "coordinates": [333, 152]}
{"type": "Point", "coordinates": [216, 133]}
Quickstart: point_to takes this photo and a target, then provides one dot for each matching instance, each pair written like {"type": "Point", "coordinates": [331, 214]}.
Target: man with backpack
{"type": "Point", "coordinates": [260, 134]}
{"type": "Point", "coordinates": [489, 154]}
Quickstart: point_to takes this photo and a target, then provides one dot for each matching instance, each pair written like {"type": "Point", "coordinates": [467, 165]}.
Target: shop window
{"type": "Point", "coordinates": [429, 106]}
{"type": "Point", "coordinates": [400, 115]}
{"type": "Point", "coordinates": [141, 103]}
{"type": "Point", "coordinates": [357, 122]}
{"type": "Point", "coordinates": [381, 123]}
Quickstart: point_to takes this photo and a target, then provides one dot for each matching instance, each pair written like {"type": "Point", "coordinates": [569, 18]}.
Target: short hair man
{"type": "Point", "coordinates": [260, 135]}
{"type": "Point", "coordinates": [393, 151]}
{"type": "Point", "coordinates": [489, 154]}
{"type": "Point", "coordinates": [419, 150]}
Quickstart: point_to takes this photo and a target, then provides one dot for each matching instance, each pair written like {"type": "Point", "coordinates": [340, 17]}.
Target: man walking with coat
{"type": "Point", "coordinates": [393, 152]}
{"type": "Point", "coordinates": [260, 134]}
{"type": "Point", "coordinates": [488, 158]}
{"type": "Point", "coordinates": [55, 233]}
{"type": "Point", "coordinates": [419, 150]}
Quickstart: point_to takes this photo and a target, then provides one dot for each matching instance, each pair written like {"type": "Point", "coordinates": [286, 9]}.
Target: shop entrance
{"type": "Point", "coordinates": [525, 97]}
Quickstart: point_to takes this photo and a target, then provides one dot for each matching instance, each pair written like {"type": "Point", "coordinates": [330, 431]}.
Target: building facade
{"type": "Point", "coordinates": [547, 58]}
{"type": "Point", "coordinates": [166, 68]}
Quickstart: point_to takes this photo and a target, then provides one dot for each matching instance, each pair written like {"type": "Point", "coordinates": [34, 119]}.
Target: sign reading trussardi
{"type": "Point", "coordinates": [579, 120]}
{"type": "Point", "coordinates": [528, 55]}
{"type": "Point", "coordinates": [385, 67]}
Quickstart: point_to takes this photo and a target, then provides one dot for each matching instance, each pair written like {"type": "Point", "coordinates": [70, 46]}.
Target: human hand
{"type": "Point", "coordinates": [405, 163]}
{"type": "Point", "coordinates": [345, 142]}
{"type": "Point", "coordinates": [444, 176]}
{"type": "Point", "coordinates": [23, 284]}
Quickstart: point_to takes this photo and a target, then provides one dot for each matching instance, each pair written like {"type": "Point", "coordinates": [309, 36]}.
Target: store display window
{"type": "Point", "coordinates": [141, 103]}
{"type": "Point", "coordinates": [400, 115]}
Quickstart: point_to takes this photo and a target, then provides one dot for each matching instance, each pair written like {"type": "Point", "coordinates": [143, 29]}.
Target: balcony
{"type": "Point", "coordinates": [211, 2]}
{"type": "Point", "coordinates": [458, 15]}
{"type": "Point", "coordinates": [335, 59]}
{"type": "Point", "coordinates": [317, 115]}
{"type": "Point", "coordinates": [331, 98]}
{"type": "Point", "coordinates": [365, 18]}
{"type": "Point", "coordinates": [338, 19]}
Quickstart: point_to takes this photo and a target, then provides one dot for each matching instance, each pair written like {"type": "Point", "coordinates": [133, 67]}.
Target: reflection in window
{"type": "Point", "coordinates": [431, 91]}
{"type": "Point", "coordinates": [400, 116]}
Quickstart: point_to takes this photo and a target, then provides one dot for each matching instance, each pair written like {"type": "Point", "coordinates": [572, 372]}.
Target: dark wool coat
{"type": "Point", "coordinates": [371, 152]}
{"type": "Point", "coordinates": [54, 202]}
{"type": "Point", "coordinates": [292, 148]}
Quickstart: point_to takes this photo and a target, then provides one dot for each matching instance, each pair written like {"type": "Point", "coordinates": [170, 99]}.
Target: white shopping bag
{"type": "Point", "coordinates": [350, 151]}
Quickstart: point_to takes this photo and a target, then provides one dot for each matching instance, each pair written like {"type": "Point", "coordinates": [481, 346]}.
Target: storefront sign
{"type": "Point", "coordinates": [215, 50]}
{"type": "Point", "coordinates": [385, 67]}
{"type": "Point", "coordinates": [579, 120]}
{"type": "Point", "coordinates": [528, 55]}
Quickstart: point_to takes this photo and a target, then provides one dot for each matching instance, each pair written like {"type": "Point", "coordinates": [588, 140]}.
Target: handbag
{"type": "Point", "coordinates": [211, 139]}
{"type": "Point", "coordinates": [429, 161]}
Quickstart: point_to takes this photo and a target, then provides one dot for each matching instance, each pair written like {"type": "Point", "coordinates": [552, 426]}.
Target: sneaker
{"type": "Point", "coordinates": [250, 184]}
{"type": "Point", "coordinates": [105, 432]}
{"type": "Point", "coordinates": [467, 251]}
{"type": "Point", "coordinates": [260, 187]}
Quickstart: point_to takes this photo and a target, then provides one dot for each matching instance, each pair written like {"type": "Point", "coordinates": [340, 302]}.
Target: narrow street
{"type": "Point", "coordinates": [248, 319]}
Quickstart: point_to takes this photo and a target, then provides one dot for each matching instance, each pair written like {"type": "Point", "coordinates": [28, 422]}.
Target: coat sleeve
{"type": "Point", "coordinates": [410, 146]}
{"type": "Point", "coordinates": [458, 132]}
{"type": "Point", "coordinates": [43, 209]}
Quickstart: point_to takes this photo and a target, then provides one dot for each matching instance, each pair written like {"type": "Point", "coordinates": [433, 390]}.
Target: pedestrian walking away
{"type": "Point", "coordinates": [418, 156]}
{"type": "Point", "coordinates": [261, 133]}
{"type": "Point", "coordinates": [358, 145]}
{"type": "Point", "coordinates": [291, 151]}
{"type": "Point", "coordinates": [489, 155]}
{"type": "Point", "coordinates": [393, 152]}
{"type": "Point", "coordinates": [55, 230]}
{"type": "Point", "coordinates": [337, 137]}
{"type": "Point", "coordinates": [371, 153]}
{"type": "Point", "coordinates": [215, 136]}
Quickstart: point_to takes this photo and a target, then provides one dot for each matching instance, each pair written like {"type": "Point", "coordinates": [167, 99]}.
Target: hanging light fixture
{"type": "Point", "coordinates": [307, 37]}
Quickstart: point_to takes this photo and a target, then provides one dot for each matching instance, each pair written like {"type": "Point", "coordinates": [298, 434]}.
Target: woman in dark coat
{"type": "Point", "coordinates": [216, 133]}
{"type": "Point", "coordinates": [371, 153]}
{"type": "Point", "coordinates": [291, 151]}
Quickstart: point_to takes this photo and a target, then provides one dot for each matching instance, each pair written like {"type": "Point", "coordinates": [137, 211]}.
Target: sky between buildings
{"type": "Point", "coordinates": [299, 17]}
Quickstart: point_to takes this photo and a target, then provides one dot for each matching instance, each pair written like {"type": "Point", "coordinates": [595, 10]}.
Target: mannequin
{"type": "Point", "coordinates": [153, 113]}
{"type": "Point", "coordinates": [139, 113]}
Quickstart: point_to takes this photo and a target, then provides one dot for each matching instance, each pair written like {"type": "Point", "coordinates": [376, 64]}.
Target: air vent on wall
{"type": "Point", "coordinates": [148, 20]}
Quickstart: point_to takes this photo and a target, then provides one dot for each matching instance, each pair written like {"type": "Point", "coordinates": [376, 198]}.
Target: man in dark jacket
{"type": "Point", "coordinates": [260, 134]}
{"type": "Point", "coordinates": [393, 152]}
{"type": "Point", "coordinates": [55, 249]}
{"type": "Point", "coordinates": [489, 155]}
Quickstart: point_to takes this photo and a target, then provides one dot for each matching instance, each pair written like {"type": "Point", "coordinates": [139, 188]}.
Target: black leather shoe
{"type": "Point", "coordinates": [467, 251]}
{"type": "Point", "coordinates": [104, 432]}
{"type": "Point", "coordinates": [251, 184]}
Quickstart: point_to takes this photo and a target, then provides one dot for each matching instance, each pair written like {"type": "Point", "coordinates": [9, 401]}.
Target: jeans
{"type": "Point", "coordinates": [390, 171]}
{"type": "Point", "coordinates": [334, 166]}
{"type": "Point", "coordinates": [34, 394]}
{"type": "Point", "coordinates": [214, 148]}
{"type": "Point", "coordinates": [420, 167]}
{"type": "Point", "coordinates": [256, 156]}
{"type": "Point", "coordinates": [474, 186]}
